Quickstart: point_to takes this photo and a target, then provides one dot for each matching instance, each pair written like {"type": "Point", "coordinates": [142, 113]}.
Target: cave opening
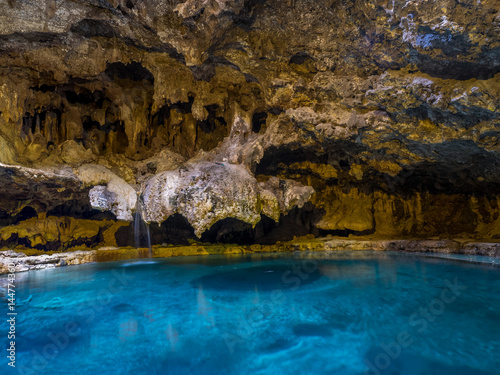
{"type": "Point", "coordinates": [133, 71]}
{"type": "Point", "coordinates": [213, 121]}
{"type": "Point", "coordinates": [259, 120]}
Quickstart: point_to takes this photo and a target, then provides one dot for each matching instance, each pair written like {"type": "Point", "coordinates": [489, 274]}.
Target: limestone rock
{"type": "Point", "coordinates": [52, 187]}
{"type": "Point", "coordinates": [288, 193]}
{"type": "Point", "coordinates": [73, 153]}
{"type": "Point", "coordinates": [23, 263]}
{"type": "Point", "coordinates": [375, 113]}
{"type": "Point", "coordinates": [112, 193]}
{"type": "Point", "coordinates": [270, 204]}
{"type": "Point", "coordinates": [205, 193]}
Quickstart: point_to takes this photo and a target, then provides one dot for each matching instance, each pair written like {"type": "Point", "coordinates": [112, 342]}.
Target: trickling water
{"type": "Point", "coordinates": [148, 236]}
{"type": "Point", "coordinates": [139, 224]}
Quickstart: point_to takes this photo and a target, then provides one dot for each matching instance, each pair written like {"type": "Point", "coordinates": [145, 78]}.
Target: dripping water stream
{"type": "Point", "coordinates": [140, 227]}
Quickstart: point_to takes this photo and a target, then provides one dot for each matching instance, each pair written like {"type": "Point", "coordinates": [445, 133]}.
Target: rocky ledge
{"type": "Point", "coordinates": [20, 262]}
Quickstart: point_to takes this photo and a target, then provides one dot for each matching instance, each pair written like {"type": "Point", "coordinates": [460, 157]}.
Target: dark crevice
{"type": "Point", "coordinates": [270, 164]}
{"type": "Point", "coordinates": [466, 118]}
{"type": "Point", "coordinates": [44, 88]}
{"type": "Point", "coordinates": [89, 124]}
{"type": "Point", "coordinates": [184, 107]}
{"type": "Point", "coordinates": [206, 71]}
{"type": "Point", "coordinates": [447, 169]}
{"type": "Point", "coordinates": [78, 210]}
{"type": "Point", "coordinates": [84, 96]}
{"type": "Point", "coordinates": [485, 66]}
{"type": "Point", "coordinates": [176, 230]}
{"type": "Point", "coordinates": [298, 222]}
{"type": "Point", "coordinates": [259, 122]}
{"type": "Point", "coordinates": [14, 241]}
{"type": "Point", "coordinates": [25, 214]}
{"type": "Point", "coordinates": [10, 42]}
{"type": "Point", "coordinates": [247, 16]}
{"type": "Point", "coordinates": [229, 230]}
{"type": "Point", "coordinates": [133, 71]}
{"type": "Point", "coordinates": [190, 22]}
{"type": "Point", "coordinates": [300, 58]}
{"type": "Point", "coordinates": [90, 28]}
{"type": "Point", "coordinates": [212, 122]}
{"type": "Point", "coordinates": [160, 118]}
{"type": "Point", "coordinates": [249, 78]}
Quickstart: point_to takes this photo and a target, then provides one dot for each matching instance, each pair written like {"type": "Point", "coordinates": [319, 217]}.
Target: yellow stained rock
{"type": "Point", "coordinates": [40, 231]}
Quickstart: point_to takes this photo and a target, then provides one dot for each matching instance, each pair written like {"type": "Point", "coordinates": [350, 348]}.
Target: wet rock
{"type": "Point", "coordinates": [11, 254]}
{"type": "Point", "coordinates": [205, 193]}
{"type": "Point", "coordinates": [477, 248]}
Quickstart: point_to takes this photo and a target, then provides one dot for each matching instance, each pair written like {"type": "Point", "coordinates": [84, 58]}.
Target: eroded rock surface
{"type": "Point", "coordinates": [205, 193]}
{"type": "Point", "coordinates": [249, 119]}
{"type": "Point", "coordinates": [110, 192]}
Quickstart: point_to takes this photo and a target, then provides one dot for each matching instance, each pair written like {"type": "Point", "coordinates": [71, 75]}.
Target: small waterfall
{"type": "Point", "coordinates": [140, 227]}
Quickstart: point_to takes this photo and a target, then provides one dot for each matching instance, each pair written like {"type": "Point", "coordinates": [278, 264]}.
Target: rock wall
{"type": "Point", "coordinates": [248, 121]}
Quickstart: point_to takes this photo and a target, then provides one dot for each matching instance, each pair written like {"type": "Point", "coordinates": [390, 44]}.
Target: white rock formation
{"type": "Point", "coordinates": [206, 192]}
{"type": "Point", "coordinates": [110, 192]}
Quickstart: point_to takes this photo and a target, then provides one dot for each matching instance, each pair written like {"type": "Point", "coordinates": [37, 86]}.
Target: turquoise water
{"type": "Point", "coordinates": [339, 313]}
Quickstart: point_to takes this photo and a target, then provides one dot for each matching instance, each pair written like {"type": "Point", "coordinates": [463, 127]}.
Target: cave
{"type": "Point", "coordinates": [259, 121]}
{"type": "Point", "coordinates": [133, 71]}
{"type": "Point", "coordinates": [327, 170]}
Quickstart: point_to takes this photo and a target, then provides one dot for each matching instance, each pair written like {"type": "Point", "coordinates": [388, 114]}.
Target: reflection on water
{"type": "Point", "coordinates": [139, 263]}
{"type": "Point", "coordinates": [302, 313]}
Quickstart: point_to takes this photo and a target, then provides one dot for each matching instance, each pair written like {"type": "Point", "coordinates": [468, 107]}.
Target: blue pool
{"type": "Point", "coordinates": [345, 313]}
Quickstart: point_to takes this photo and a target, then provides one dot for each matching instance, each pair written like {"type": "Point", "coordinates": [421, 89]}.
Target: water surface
{"type": "Point", "coordinates": [320, 313]}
